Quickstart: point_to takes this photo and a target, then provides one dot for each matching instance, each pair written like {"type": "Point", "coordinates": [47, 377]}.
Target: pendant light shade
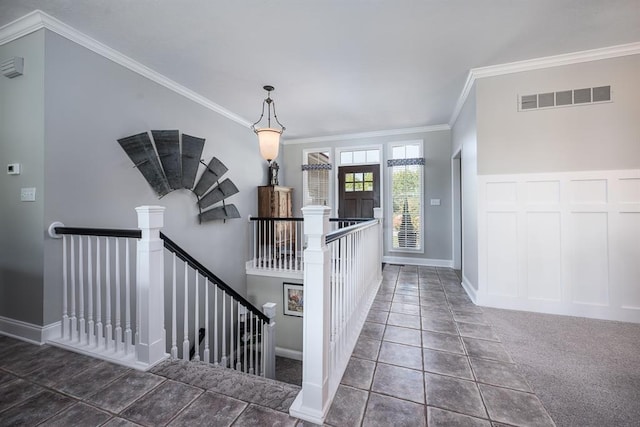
{"type": "Point", "coordinates": [268, 137]}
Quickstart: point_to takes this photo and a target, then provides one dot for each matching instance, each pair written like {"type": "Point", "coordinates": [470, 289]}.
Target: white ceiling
{"type": "Point", "coordinates": [339, 66]}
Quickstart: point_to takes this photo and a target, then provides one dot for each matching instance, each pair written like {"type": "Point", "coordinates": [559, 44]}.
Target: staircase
{"type": "Point", "coordinates": [116, 297]}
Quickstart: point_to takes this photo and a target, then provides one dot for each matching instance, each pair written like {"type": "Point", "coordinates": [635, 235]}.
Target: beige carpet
{"type": "Point", "coordinates": [586, 372]}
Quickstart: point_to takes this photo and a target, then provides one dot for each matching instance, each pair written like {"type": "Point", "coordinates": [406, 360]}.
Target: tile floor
{"type": "Point", "coordinates": [425, 356]}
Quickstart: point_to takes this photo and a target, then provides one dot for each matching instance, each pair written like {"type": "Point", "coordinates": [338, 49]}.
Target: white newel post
{"type": "Point", "coordinates": [269, 336]}
{"type": "Point", "coordinates": [377, 214]}
{"type": "Point", "coordinates": [150, 348]}
{"type": "Point", "coordinates": [313, 401]}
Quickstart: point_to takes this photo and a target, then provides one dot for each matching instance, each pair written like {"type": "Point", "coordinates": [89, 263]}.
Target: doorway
{"type": "Point", "coordinates": [359, 191]}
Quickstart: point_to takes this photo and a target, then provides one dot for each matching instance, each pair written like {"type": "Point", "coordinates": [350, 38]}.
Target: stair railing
{"type": "Point", "coordinates": [108, 314]}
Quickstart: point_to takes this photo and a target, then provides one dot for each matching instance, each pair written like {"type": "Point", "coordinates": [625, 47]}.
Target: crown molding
{"type": "Point", "coordinates": [540, 63]}
{"type": "Point", "coordinates": [38, 19]}
{"type": "Point", "coordinates": [373, 134]}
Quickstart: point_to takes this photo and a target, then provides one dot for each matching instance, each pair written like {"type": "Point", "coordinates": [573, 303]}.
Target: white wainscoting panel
{"type": "Point", "coordinates": [544, 270]}
{"type": "Point", "coordinates": [502, 253]}
{"type": "Point", "coordinates": [563, 243]}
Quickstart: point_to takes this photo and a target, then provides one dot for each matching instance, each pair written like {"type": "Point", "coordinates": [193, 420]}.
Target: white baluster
{"type": "Point", "coordinates": [74, 320]}
{"type": "Point", "coordinates": [216, 359]}
{"type": "Point", "coordinates": [269, 341]}
{"type": "Point", "coordinates": [254, 251]}
{"type": "Point", "coordinates": [99, 329]}
{"type": "Point", "coordinates": [81, 324]}
{"type": "Point", "coordinates": [196, 336]}
{"type": "Point", "coordinates": [205, 355]}
{"type": "Point", "coordinates": [174, 324]}
{"type": "Point", "coordinates": [185, 340]}
{"type": "Point", "coordinates": [223, 359]}
{"type": "Point", "coordinates": [250, 342]}
{"type": "Point", "coordinates": [108, 328]}
{"type": "Point", "coordinates": [118, 329]}
{"type": "Point", "coordinates": [237, 350]}
{"type": "Point", "coordinates": [127, 296]}
{"type": "Point", "coordinates": [91, 327]}
{"type": "Point", "coordinates": [232, 340]}
{"type": "Point", "coordinates": [65, 284]}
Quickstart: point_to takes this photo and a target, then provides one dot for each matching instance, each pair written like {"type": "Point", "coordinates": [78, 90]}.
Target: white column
{"type": "Point", "coordinates": [312, 403]}
{"type": "Point", "coordinates": [150, 347]}
{"type": "Point", "coordinates": [269, 344]}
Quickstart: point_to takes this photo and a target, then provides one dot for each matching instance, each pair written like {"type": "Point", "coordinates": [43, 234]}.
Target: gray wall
{"type": "Point", "coordinates": [84, 178]}
{"type": "Point", "coordinates": [437, 184]}
{"type": "Point", "coordinates": [22, 141]}
{"type": "Point", "coordinates": [262, 289]}
{"type": "Point", "coordinates": [465, 140]}
{"type": "Point", "coordinates": [590, 137]}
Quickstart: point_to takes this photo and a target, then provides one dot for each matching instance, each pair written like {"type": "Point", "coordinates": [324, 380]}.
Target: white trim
{"type": "Point", "coordinates": [39, 19]}
{"type": "Point", "coordinates": [540, 63]}
{"type": "Point", "coordinates": [372, 134]}
{"type": "Point", "coordinates": [471, 291]}
{"type": "Point", "coordinates": [283, 274]}
{"type": "Point", "coordinates": [29, 332]}
{"type": "Point", "coordinates": [424, 262]}
{"type": "Point", "coordinates": [336, 181]}
{"type": "Point", "coordinates": [288, 353]}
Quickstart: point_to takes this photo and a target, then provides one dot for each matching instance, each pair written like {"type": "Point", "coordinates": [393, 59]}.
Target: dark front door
{"type": "Point", "coordinates": [359, 191]}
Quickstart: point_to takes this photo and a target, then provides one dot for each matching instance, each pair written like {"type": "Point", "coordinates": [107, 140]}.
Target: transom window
{"type": "Point", "coordinates": [356, 157]}
{"type": "Point", "coordinates": [358, 181]}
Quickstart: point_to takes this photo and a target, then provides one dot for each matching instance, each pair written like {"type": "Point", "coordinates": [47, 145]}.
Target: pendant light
{"type": "Point", "coordinates": [268, 137]}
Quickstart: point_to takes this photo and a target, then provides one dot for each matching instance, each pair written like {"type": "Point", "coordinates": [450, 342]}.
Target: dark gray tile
{"type": "Point", "coordinates": [400, 335]}
{"type": "Point", "coordinates": [160, 405]}
{"type": "Point", "coordinates": [436, 313]}
{"type": "Point", "coordinates": [258, 416]}
{"type": "Point", "coordinates": [454, 394]}
{"type": "Point", "coordinates": [437, 306]}
{"type": "Point", "coordinates": [442, 418]}
{"type": "Point", "coordinates": [466, 308]}
{"type": "Point", "coordinates": [486, 350]}
{"type": "Point", "coordinates": [52, 373]}
{"type": "Point", "coordinates": [79, 414]}
{"type": "Point", "coordinates": [473, 330]}
{"type": "Point", "coordinates": [124, 391]}
{"type": "Point", "coordinates": [470, 318]}
{"type": "Point", "coordinates": [35, 409]}
{"type": "Point", "coordinates": [444, 363]}
{"type": "Point", "coordinates": [5, 377]}
{"type": "Point", "coordinates": [366, 348]}
{"type": "Point", "coordinates": [410, 291]}
{"type": "Point", "coordinates": [7, 341]}
{"type": "Point", "coordinates": [15, 349]}
{"type": "Point", "coordinates": [119, 422]}
{"type": "Point", "coordinates": [101, 375]}
{"type": "Point", "coordinates": [14, 392]}
{"type": "Point", "coordinates": [406, 299]}
{"type": "Point", "coordinates": [498, 373]}
{"type": "Point", "coordinates": [210, 409]}
{"type": "Point", "coordinates": [384, 411]}
{"type": "Point", "coordinates": [438, 325]}
{"type": "Point", "coordinates": [384, 296]}
{"type": "Point", "coordinates": [348, 407]}
{"type": "Point", "coordinates": [400, 355]}
{"type": "Point", "coordinates": [23, 358]}
{"type": "Point", "coordinates": [514, 407]}
{"type": "Point", "coordinates": [398, 307]}
{"type": "Point", "coordinates": [381, 305]}
{"type": "Point", "coordinates": [399, 382]}
{"type": "Point", "coordinates": [404, 320]}
{"type": "Point", "coordinates": [377, 316]}
{"type": "Point", "coordinates": [372, 330]}
{"type": "Point", "coordinates": [289, 370]}
{"type": "Point", "coordinates": [443, 342]}
{"type": "Point", "coordinates": [359, 373]}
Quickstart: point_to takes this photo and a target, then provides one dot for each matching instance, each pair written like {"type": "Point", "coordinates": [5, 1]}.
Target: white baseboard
{"type": "Point", "coordinates": [471, 291]}
{"type": "Point", "coordinates": [29, 332]}
{"type": "Point", "coordinates": [288, 353]}
{"type": "Point", "coordinates": [283, 274]}
{"type": "Point", "coordinates": [423, 262]}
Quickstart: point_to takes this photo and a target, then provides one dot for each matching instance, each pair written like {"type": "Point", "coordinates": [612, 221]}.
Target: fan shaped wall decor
{"type": "Point", "coordinates": [169, 162]}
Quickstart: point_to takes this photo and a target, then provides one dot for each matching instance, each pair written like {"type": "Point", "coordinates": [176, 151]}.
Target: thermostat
{"type": "Point", "coordinates": [13, 169]}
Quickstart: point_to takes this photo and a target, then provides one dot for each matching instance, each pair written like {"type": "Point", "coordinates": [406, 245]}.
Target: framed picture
{"type": "Point", "coordinates": [293, 299]}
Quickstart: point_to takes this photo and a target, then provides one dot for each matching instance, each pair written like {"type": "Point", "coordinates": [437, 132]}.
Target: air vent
{"type": "Point", "coordinates": [563, 98]}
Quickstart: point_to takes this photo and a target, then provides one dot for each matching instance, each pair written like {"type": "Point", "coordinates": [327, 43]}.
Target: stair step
{"type": "Point", "coordinates": [248, 388]}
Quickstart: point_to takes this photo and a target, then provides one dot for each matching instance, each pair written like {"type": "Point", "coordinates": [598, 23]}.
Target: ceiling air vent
{"type": "Point", "coordinates": [563, 98]}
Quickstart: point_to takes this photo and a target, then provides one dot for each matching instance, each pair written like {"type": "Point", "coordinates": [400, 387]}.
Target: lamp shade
{"type": "Point", "coordinates": [269, 140]}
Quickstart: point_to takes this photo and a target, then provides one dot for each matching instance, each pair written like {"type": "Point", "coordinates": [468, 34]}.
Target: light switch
{"type": "Point", "coordinates": [13, 169]}
{"type": "Point", "coordinates": [28, 194]}
{"type": "Point", "coordinates": [435, 202]}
